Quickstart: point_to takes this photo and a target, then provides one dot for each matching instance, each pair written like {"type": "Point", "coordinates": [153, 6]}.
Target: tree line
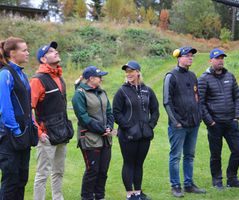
{"type": "Point", "coordinates": [204, 18]}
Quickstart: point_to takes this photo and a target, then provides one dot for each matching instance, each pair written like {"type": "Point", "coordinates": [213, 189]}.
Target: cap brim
{"type": "Point", "coordinates": [127, 66]}
{"type": "Point", "coordinates": [222, 54]}
{"type": "Point", "coordinates": [53, 44]}
{"type": "Point", "coordinates": [124, 67]}
{"type": "Point", "coordinates": [193, 51]}
{"type": "Point", "coordinates": [102, 73]}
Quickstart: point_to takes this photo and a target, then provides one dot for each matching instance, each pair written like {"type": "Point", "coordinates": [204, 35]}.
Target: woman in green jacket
{"type": "Point", "coordinates": [95, 123]}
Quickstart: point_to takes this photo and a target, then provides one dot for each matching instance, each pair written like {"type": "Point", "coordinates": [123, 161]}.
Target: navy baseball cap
{"type": "Point", "coordinates": [216, 53]}
{"type": "Point", "coordinates": [93, 71]}
{"type": "Point", "coordinates": [132, 65]}
{"type": "Point", "coordinates": [186, 50]}
{"type": "Point", "coordinates": [44, 49]}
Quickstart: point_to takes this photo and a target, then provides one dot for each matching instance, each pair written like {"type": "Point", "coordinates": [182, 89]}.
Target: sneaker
{"type": "Point", "coordinates": [177, 191]}
{"type": "Point", "coordinates": [133, 197]}
{"type": "Point", "coordinates": [233, 183]}
{"type": "Point", "coordinates": [194, 189]}
{"type": "Point", "coordinates": [217, 184]}
{"type": "Point", "coordinates": [144, 196]}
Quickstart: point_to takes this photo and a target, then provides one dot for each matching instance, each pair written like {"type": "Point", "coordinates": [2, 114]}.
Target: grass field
{"type": "Point", "coordinates": [156, 179]}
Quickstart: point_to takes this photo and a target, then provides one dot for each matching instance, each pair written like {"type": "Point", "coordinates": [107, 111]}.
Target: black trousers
{"type": "Point", "coordinates": [97, 164]}
{"type": "Point", "coordinates": [15, 169]}
{"type": "Point", "coordinates": [134, 154]}
{"type": "Point", "coordinates": [215, 137]}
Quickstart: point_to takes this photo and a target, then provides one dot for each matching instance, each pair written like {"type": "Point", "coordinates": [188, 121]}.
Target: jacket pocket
{"type": "Point", "coordinates": [134, 132]}
{"type": "Point", "coordinates": [90, 140]}
{"type": "Point", "coordinates": [21, 141]}
{"type": "Point", "coordinates": [147, 131]}
{"type": "Point", "coordinates": [59, 129]}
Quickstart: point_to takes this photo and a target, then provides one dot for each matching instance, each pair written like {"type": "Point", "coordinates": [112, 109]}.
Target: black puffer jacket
{"type": "Point", "coordinates": [219, 96]}
{"type": "Point", "coordinates": [136, 111]}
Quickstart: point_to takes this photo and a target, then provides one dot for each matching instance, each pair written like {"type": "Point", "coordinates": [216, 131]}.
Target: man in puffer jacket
{"type": "Point", "coordinates": [219, 97]}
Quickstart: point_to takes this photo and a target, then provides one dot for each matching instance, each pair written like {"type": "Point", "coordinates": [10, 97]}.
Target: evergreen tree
{"type": "Point", "coordinates": [95, 9]}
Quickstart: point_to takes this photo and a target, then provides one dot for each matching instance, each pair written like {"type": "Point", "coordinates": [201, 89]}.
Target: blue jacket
{"type": "Point", "coordinates": [7, 116]}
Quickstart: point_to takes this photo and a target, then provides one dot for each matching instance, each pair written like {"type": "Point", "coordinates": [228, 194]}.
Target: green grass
{"type": "Point", "coordinates": [156, 178]}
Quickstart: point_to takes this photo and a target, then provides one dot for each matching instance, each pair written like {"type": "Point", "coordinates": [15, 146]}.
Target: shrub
{"type": "Point", "coordinates": [225, 35]}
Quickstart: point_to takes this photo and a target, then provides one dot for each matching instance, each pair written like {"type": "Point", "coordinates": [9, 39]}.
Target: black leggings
{"type": "Point", "coordinates": [134, 154]}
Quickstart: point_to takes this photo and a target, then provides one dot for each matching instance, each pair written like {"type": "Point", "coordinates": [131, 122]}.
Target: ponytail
{"type": "Point", "coordinates": [2, 57]}
{"type": "Point", "coordinates": [6, 46]}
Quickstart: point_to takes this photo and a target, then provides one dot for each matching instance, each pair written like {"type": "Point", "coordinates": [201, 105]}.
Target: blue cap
{"type": "Point", "coordinates": [186, 50]}
{"type": "Point", "coordinates": [216, 53]}
{"type": "Point", "coordinates": [44, 49]}
{"type": "Point", "coordinates": [132, 65]}
{"type": "Point", "coordinates": [93, 71]}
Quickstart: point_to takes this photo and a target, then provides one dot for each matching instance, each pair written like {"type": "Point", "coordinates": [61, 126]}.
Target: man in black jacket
{"type": "Point", "coordinates": [182, 106]}
{"type": "Point", "coordinates": [219, 97]}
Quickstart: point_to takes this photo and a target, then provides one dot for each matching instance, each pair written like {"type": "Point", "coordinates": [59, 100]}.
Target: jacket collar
{"type": "Point", "coordinates": [181, 69]}
{"type": "Point", "coordinates": [210, 70]}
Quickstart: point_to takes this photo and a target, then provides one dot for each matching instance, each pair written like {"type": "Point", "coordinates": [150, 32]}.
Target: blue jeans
{"type": "Point", "coordinates": [182, 139]}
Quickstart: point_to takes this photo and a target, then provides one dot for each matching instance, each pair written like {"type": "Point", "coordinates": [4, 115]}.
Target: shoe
{"type": "Point", "coordinates": [177, 191]}
{"type": "Point", "coordinates": [133, 197]}
{"type": "Point", "coordinates": [194, 189]}
{"type": "Point", "coordinates": [217, 183]}
{"type": "Point", "coordinates": [144, 196]}
{"type": "Point", "coordinates": [233, 183]}
{"type": "Point", "coordinates": [218, 186]}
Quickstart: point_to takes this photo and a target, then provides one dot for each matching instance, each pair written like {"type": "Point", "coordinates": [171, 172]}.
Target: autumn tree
{"type": "Point", "coordinates": [164, 19]}
{"type": "Point", "coordinates": [151, 16]}
{"type": "Point", "coordinates": [68, 7]}
{"type": "Point", "coordinates": [80, 8]}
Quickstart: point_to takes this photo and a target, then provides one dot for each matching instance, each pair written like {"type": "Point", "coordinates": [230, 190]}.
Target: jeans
{"type": "Point", "coordinates": [182, 139]}
{"type": "Point", "coordinates": [216, 133]}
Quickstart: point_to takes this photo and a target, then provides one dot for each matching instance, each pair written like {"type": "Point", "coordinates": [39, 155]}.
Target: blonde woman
{"type": "Point", "coordinates": [135, 108]}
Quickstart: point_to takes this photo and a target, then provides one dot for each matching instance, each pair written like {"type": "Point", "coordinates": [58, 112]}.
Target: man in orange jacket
{"type": "Point", "coordinates": [49, 102]}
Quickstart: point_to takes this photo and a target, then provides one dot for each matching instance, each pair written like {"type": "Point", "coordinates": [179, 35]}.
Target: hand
{"type": "Point", "coordinates": [107, 132]}
{"type": "Point", "coordinates": [179, 125]}
{"type": "Point", "coordinates": [78, 80]}
{"type": "Point", "coordinates": [213, 123]}
{"type": "Point", "coordinates": [44, 137]}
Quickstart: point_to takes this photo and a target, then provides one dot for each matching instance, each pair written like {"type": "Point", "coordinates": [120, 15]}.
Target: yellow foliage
{"type": "Point", "coordinates": [121, 10]}
{"type": "Point", "coordinates": [81, 8]}
{"type": "Point", "coordinates": [151, 15]}
{"type": "Point", "coordinates": [68, 6]}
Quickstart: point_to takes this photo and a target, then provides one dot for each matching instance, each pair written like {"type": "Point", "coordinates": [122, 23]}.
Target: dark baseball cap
{"type": "Point", "coordinates": [93, 71]}
{"type": "Point", "coordinates": [186, 50]}
{"type": "Point", "coordinates": [44, 49]}
{"type": "Point", "coordinates": [132, 65]}
{"type": "Point", "coordinates": [216, 53]}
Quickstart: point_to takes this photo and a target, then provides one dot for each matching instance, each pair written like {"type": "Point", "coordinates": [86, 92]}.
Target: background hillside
{"type": "Point", "coordinates": [109, 46]}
